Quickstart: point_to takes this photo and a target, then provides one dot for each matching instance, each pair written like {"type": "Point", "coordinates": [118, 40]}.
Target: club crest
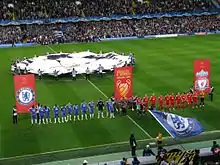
{"type": "Point", "coordinates": [181, 125]}
{"type": "Point", "coordinates": [123, 87]}
{"type": "Point", "coordinates": [25, 96]}
{"type": "Point", "coordinates": [202, 81]}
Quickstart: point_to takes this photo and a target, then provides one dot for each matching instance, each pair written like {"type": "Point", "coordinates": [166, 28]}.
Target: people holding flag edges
{"type": "Point", "coordinates": [39, 72]}
{"type": "Point", "coordinates": [211, 92]}
{"type": "Point", "coordinates": [100, 71]}
{"type": "Point", "coordinates": [87, 73]}
{"type": "Point", "coordinates": [55, 74]}
{"type": "Point", "coordinates": [74, 74]}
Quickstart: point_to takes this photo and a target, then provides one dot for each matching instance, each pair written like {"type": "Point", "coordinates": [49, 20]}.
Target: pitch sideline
{"type": "Point", "coordinates": [135, 123]}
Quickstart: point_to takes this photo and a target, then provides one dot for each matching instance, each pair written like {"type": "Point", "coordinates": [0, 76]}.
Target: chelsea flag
{"type": "Point", "coordinates": [177, 126]}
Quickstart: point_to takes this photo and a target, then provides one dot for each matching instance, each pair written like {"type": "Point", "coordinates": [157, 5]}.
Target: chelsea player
{"type": "Point", "coordinates": [76, 112]}
{"type": "Point", "coordinates": [47, 114]}
{"type": "Point", "coordinates": [63, 113]}
{"type": "Point", "coordinates": [33, 115]}
{"type": "Point", "coordinates": [42, 113]}
{"type": "Point", "coordinates": [110, 107]}
{"type": "Point", "coordinates": [69, 111]}
{"type": "Point", "coordinates": [56, 110]}
{"type": "Point", "coordinates": [91, 109]}
{"type": "Point", "coordinates": [84, 109]}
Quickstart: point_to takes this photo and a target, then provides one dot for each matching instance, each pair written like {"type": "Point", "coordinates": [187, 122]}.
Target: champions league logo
{"type": "Point", "coordinates": [25, 96]}
{"type": "Point", "coordinates": [182, 126]}
{"type": "Point", "coordinates": [202, 82]}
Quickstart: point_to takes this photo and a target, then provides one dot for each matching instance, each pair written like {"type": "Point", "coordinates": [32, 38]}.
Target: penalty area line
{"type": "Point", "coordinates": [98, 89]}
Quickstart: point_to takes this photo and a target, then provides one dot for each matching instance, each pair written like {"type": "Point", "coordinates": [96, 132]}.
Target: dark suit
{"type": "Point", "coordinates": [133, 145]}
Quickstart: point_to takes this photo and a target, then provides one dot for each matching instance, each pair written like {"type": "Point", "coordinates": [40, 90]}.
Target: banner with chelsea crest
{"type": "Point", "coordinates": [202, 75]}
{"type": "Point", "coordinates": [177, 126]}
{"type": "Point", "coordinates": [25, 92]}
{"type": "Point", "coordinates": [123, 82]}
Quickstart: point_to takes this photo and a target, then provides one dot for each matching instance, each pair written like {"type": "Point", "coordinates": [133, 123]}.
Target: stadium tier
{"type": "Point", "coordinates": [27, 9]}
{"type": "Point", "coordinates": [94, 31]}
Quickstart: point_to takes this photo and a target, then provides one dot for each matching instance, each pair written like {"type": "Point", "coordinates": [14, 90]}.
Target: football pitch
{"type": "Point", "coordinates": [162, 65]}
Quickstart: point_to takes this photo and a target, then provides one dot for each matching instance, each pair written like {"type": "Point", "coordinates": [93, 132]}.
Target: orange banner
{"type": "Point", "coordinates": [123, 82]}
{"type": "Point", "coordinates": [202, 75]}
{"type": "Point", "coordinates": [25, 92]}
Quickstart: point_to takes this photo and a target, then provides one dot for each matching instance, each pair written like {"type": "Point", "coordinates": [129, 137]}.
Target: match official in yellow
{"type": "Point", "coordinates": [202, 98]}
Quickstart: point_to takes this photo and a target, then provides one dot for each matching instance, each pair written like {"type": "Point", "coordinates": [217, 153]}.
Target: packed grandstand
{"type": "Point", "coordinates": [138, 18]}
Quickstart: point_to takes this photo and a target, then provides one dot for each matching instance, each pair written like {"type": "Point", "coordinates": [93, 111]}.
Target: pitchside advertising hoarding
{"type": "Point", "coordinates": [123, 82]}
{"type": "Point", "coordinates": [25, 92]}
{"type": "Point", "coordinates": [202, 75]}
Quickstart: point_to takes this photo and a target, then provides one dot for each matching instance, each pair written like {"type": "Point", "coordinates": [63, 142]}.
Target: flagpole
{"type": "Point", "coordinates": [166, 129]}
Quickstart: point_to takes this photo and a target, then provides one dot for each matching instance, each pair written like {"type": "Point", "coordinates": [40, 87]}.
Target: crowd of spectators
{"type": "Point", "coordinates": [94, 31]}
{"type": "Point", "coordinates": [36, 9]}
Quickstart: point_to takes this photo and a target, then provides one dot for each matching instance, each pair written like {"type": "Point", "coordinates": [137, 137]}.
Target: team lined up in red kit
{"type": "Point", "coordinates": [179, 101]}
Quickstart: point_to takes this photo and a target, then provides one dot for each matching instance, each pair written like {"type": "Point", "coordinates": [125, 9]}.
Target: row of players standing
{"type": "Point", "coordinates": [42, 114]}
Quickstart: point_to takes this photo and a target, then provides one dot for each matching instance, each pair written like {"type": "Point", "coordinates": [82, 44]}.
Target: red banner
{"type": "Point", "coordinates": [202, 75]}
{"type": "Point", "coordinates": [123, 82]}
{"type": "Point", "coordinates": [25, 92]}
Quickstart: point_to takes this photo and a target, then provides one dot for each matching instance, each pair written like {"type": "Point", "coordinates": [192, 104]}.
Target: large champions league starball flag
{"type": "Point", "coordinates": [177, 126]}
{"type": "Point", "coordinates": [202, 75]}
{"type": "Point", "coordinates": [123, 82]}
{"type": "Point", "coordinates": [25, 92]}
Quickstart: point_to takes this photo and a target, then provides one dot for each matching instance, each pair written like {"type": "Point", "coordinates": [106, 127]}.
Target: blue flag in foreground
{"type": "Point", "coordinates": [177, 126]}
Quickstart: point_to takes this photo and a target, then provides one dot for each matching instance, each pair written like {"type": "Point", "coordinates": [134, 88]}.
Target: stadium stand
{"type": "Point", "coordinates": [27, 9]}
{"type": "Point", "coordinates": [94, 31]}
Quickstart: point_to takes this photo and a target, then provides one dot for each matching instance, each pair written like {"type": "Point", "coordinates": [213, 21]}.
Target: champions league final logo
{"type": "Point", "coordinates": [182, 126]}
{"type": "Point", "coordinates": [202, 81]}
{"type": "Point", "coordinates": [25, 96]}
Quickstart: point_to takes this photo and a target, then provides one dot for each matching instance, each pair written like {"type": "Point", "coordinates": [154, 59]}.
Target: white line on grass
{"type": "Point", "coordinates": [145, 132]}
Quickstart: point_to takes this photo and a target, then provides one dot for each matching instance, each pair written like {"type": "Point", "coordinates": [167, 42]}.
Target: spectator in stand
{"type": "Point", "coordinates": [215, 148]}
{"type": "Point", "coordinates": [135, 161]}
{"type": "Point", "coordinates": [147, 151]}
{"type": "Point", "coordinates": [124, 162]}
{"type": "Point", "coordinates": [186, 160]}
{"type": "Point", "coordinates": [196, 158]}
{"type": "Point", "coordinates": [173, 162]}
{"type": "Point", "coordinates": [27, 9]}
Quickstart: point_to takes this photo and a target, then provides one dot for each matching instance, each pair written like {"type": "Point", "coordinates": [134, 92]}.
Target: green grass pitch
{"type": "Point", "coordinates": [163, 65]}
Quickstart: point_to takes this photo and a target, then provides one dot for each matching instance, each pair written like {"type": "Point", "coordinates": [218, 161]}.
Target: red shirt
{"type": "Point", "coordinates": [189, 97]}
{"type": "Point", "coordinates": [138, 100]}
{"type": "Point", "coordinates": [178, 99]}
{"type": "Point", "coordinates": [183, 97]}
{"type": "Point", "coordinates": [195, 97]}
{"type": "Point", "coordinates": [145, 99]}
{"type": "Point", "coordinates": [153, 100]}
{"type": "Point", "coordinates": [172, 98]}
{"type": "Point", "coordinates": [160, 99]}
{"type": "Point", "coordinates": [167, 99]}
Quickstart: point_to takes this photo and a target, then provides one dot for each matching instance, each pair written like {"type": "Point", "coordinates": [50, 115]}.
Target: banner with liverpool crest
{"type": "Point", "coordinates": [202, 75]}
{"type": "Point", "coordinates": [123, 82]}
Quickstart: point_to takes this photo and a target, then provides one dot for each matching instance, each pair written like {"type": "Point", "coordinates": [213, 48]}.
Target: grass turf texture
{"type": "Point", "coordinates": [163, 65]}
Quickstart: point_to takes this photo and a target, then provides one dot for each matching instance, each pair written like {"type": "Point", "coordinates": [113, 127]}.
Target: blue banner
{"type": "Point", "coordinates": [114, 17]}
{"type": "Point", "coordinates": [178, 126]}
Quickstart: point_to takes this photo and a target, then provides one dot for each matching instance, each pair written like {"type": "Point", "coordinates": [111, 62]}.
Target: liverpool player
{"type": "Point", "coordinates": [160, 100]}
{"type": "Point", "coordinates": [183, 98]}
{"type": "Point", "coordinates": [172, 101]}
{"type": "Point", "coordinates": [167, 100]}
{"type": "Point", "coordinates": [145, 103]}
{"type": "Point", "coordinates": [178, 101]}
{"type": "Point", "coordinates": [195, 100]}
{"type": "Point", "coordinates": [189, 99]}
{"type": "Point", "coordinates": [153, 100]}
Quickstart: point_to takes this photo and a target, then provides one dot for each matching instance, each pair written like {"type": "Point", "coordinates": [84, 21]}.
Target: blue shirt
{"type": "Point", "coordinates": [69, 108]}
{"type": "Point", "coordinates": [92, 107]}
{"type": "Point", "coordinates": [47, 111]}
{"type": "Point", "coordinates": [110, 106]}
{"type": "Point", "coordinates": [41, 111]}
{"type": "Point", "coordinates": [84, 107]}
{"type": "Point", "coordinates": [33, 111]}
{"type": "Point", "coordinates": [56, 110]}
{"type": "Point", "coordinates": [63, 110]}
{"type": "Point", "coordinates": [76, 109]}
